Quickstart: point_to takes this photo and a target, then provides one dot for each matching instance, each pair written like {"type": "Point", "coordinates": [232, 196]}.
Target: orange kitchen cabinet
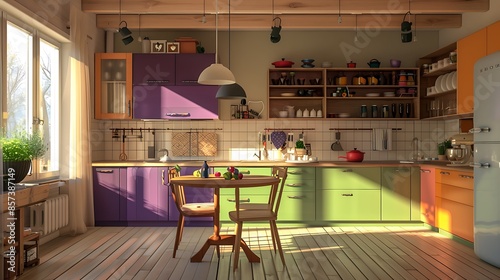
{"type": "Point", "coordinates": [113, 86]}
{"type": "Point", "coordinates": [455, 202]}
{"type": "Point", "coordinates": [493, 40]}
{"type": "Point", "coordinates": [428, 195]}
{"type": "Point", "coordinates": [469, 50]}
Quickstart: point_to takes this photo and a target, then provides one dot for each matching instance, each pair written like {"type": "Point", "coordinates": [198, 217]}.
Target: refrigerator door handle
{"type": "Point", "coordinates": [480, 165]}
{"type": "Point", "coordinates": [479, 129]}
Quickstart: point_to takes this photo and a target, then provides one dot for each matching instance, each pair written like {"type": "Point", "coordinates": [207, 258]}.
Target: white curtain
{"type": "Point", "coordinates": [76, 124]}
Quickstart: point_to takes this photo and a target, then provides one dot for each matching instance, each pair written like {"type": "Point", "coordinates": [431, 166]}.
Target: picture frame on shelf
{"type": "Point", "coordinates": [158, 46]}
{"type": "Point", "coordinates": [173, 47]}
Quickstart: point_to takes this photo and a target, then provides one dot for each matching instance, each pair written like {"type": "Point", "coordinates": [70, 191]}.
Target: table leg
{"type": "Point", "coordinates": [217, 239]}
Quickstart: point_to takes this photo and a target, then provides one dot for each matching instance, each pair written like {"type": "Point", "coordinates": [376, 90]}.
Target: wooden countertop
{"type": "Point", "coordinates": [387, 163]}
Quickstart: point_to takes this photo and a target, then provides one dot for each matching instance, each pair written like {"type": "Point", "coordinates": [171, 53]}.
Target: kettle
{"type": "Point", "coordinates": [374, 63]}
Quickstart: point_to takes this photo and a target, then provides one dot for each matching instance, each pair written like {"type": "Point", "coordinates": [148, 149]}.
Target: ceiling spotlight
{"type": "Point", "coordinates": [275, 30]}
{"type": "Point", "coordinates": [126, 33]}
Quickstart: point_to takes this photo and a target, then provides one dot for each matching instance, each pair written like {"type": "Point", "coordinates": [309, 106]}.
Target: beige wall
{"type": "Point", "coordinates": [471, 22]}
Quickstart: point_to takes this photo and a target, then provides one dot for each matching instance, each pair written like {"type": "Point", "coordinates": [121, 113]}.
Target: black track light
{"type": "Point", "coordinates": [275, 30]}
{"type": "Point", "coordinates": [406, 34]}
{"type": "Point", "coordinates": [126, 33]}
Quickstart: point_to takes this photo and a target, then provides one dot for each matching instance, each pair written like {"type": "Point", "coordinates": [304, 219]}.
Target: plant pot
{"type": "Point", "coordinates": [442, 157]}
{"type": "Point", "coordinates": [300, 152]}
{"type": "Point", "coordinates": [15, 171]}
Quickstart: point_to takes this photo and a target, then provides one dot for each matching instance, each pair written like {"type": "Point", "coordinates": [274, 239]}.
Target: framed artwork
{"type": "Point", "coordinates": [173, 47]}
{"type": "Point", "coordinates": [158, 46]}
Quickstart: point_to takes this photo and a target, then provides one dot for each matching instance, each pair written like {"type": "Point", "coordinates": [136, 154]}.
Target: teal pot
{"type": "Point", "coordinates": [17, 170]}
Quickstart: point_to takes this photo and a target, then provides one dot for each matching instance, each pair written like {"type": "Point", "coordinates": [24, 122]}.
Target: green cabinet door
{"type": "Point", "coordinates": [400, 193]}
{"type": "Point", "coordinates": [340, 178]}
{"type": "Point", "coordinates": [297, 206]}
{"type": "Point", "coordinates": [348, 205]}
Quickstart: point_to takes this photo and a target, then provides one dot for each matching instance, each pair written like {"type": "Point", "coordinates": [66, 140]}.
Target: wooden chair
{"type": "Point", "coordinates": [187, 209]}
{"type": "Point", "coordinates": [254, 212]}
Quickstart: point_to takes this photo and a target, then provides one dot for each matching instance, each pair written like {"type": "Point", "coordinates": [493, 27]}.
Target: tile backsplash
{"type": "Point", "coordinates": [238, 139]}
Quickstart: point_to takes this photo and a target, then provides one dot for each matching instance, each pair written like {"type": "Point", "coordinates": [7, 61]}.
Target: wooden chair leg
{"type": "Point", "coordinates": [237, 241]}
{"type": "Point", "coordinates": [178, 234]}
{"type": "Point", "coordinates": [218, 251]}
{"type": "Point", "coordinates": [278, 242]}
{"type": "Point", "coordinates": [272, 236]}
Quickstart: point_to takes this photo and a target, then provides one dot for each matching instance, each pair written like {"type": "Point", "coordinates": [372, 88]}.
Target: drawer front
{"type": "Point", "coordinates": [359, 178]}
{"type": "Point", "coordinates": [463, 179]}
{"type": "Point", "coordinates": [297, 206]}
{"type": "Point", "coordinates": [299, 184]}
{"type": "Point", "coordinates": [460, 195]}
{"type": "Point", "coordinates": [348, 205]}
{"type": "Point", "coordinates": [456, 218]}
{"type": "Point", "coordinates": [301, 173]}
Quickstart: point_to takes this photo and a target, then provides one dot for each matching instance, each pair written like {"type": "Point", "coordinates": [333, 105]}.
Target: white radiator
{"type": "Point", "coordinates": [51, 215]}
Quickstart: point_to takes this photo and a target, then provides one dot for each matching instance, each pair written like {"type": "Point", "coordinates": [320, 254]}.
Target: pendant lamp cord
{"type": "Point", "coordinates": [229, 32]}
{"type": "Point", "coordinates": [216, 30]}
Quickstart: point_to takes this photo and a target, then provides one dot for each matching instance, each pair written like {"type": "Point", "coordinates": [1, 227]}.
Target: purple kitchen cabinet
{"type": "Point", "coordinates": [142, 194]}
{"type": "Point", "coordinates": [110, 196]}
{"type": "Point", "coordinates": [192, 195]}
{"type": "Point", "coordinates": [175, 102]}
{"type": "Point", "coordinates": [153, 69]}
{"type": "Point", "coordinates": [188, 67]}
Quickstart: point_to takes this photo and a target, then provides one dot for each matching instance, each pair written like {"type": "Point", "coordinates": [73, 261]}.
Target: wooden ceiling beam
{"type": "Point", "coordinates": [285, 6]}
{"type": "Point", "coordinates": [289, 22]}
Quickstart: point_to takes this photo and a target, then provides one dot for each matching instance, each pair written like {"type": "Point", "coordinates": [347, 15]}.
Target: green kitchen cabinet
{"type": "Point", "coordinates": [348, 194]}
{"type": "Point", "coordinates": [348, 205]}
{"type": "Point", "coordinates": [400, 194]}
{"type": "Point", "coordinates": [299, 196]}
{"type": "Point", "coordinates": [347, 178]}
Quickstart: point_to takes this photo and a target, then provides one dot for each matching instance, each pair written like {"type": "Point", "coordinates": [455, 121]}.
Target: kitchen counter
{"type": "Point", "coordinates": [250, 163]}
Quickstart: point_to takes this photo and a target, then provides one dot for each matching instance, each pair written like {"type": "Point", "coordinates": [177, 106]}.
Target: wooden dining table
{"type": "Point", "coordinates": [217, 183]}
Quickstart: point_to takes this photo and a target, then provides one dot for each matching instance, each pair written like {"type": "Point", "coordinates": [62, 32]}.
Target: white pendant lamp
{"type": "Point", "coordinates": [216, 74]}
{"type": "Point", "coordinates": [232, 91]}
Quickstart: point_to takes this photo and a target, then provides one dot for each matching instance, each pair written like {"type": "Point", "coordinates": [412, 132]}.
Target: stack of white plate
{"type": "Point", "coordinates": [446, 82]}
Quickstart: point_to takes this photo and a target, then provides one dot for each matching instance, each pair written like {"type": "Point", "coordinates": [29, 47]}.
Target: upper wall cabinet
{"type": "Point", "coordinates": [169, 69]}
{"type": "Point", "coordinates": [153, 69]}
{"type": "Point", "coordinates": [188, 67]}
{"type": "Point", "coordinates": [113, 85]}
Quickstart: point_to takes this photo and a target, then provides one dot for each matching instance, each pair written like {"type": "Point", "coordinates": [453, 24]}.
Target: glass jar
{"type": "Point", "coordinates": [374, 111]}
{"type": "Point", "coordinates": [385, 111]}
{"type": "Point", "coordinates": [364, 111]}
{"type": "Point", "coordinates": [410, 80]}
{"type": "Point", "coordinates": [425, 68]}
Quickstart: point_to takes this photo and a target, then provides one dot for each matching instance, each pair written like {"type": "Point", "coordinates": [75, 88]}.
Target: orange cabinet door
{"type": "Point", "coordinates": [469, 50]}
{"type": "Point", "coordinates": [493, 41]}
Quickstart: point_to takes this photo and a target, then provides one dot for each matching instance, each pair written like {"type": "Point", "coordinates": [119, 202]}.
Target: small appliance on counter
{"type": "Point", "coordinates": [461, 153]}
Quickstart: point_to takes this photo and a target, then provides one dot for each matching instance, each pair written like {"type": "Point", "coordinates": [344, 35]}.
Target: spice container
{"type": "Point", "coordinates": [364, 111]}
{"type": "Point", "coordinates": [385, 111]}
{"type": "Point", "coordinates": [425, 68]}
{"type": "Point", "coordinates": [374, 111]}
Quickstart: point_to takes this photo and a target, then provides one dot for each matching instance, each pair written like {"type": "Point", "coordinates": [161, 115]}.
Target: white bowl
{"type": "Point", "coordinates": [283, 114]}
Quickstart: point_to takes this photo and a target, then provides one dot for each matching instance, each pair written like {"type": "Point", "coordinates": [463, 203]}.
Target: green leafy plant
{"type": "Point", "coordinates": [23, 146]}
{"type": "Point", "coordinates": [300, 144]}
{"type": "Point", "coordinates": [446, 144]}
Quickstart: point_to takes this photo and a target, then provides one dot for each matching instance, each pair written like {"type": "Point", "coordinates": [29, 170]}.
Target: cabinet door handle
{"type": "Point", "coordinates": [241, 200]}
{"type": "Point", "coordinates": [466, 176]}
{"type": "Point", "coordinates": [297, 172]}
{"type": "Point", "coordinates": [163, 177]}
{"type": "Point", "coordinates": [158, 81]}
{"type": "Point", "coordinates": [425, 171]}
{"type": "Point", "coordinates": [129, 108]}
{"type": "Point", "coordinates": [479, 129]}
{"type": "Point", "coordinates": [480, 165]}
{"type": "Point", "coordinates": [444, 173]}
{"type": "Point", "coordinates": [296, 196]}
{"type": "Point", "coordinates": [294, 185]}
{"type": "Point", "coordinates": [105, 171]}
{"type": "Point", "coordinates": [190, 81]}
{"type": "Point", "coordinates": [347, 170]}
{"type": "Point", "coordinates": [347, 194]}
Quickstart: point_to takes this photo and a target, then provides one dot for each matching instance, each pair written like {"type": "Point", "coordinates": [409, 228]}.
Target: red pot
{"type": "Point", "coordinates": [351, 64]}
{"type": "Point", "coordinates": [354, 155]}
{"type": "Point", "coordinates": [283, 63]}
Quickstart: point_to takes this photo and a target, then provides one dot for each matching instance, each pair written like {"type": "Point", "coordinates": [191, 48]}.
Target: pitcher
{"type": "Point", "coordinates": [291, 111]}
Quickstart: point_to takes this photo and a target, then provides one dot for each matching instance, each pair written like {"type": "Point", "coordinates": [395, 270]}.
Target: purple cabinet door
{"type": "Point", "coordinates": [109, 195]}
{"type": "Point", "coordinates": [181, 102]}
{"type": "Point", "coordinates": [164, 194]}
{"type": "Point", "coordinates": [192, 195]}
{"type": "Point", "coordinates": [153, 69]}
{"type": "Point", "coordinates": [147, 102]}
{"type": "Point", "coordinates": [142, 194]}
{"type": "Point", "coordinates": [188, 67]}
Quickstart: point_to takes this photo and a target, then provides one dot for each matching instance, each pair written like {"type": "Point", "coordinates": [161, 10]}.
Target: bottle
{"type": "Point", "coordinates": [374, 111]}
{"type": "Point", "coordinates": [385, 111]}
{"type": "Point", "coordinates": [393, 110]}
{"type": "Point", "coordinates": [204, 170]}
{"type": "Point", "coordinates": [401, 110]}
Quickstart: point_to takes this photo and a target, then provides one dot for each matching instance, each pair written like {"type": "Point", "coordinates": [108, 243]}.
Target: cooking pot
{"type": "Point", "coordinates": [358, 80]}
{"type": "Point", "coordinates": [351, 64]}
{"type": "Point", "coordinates": [354, 155]}
{"type": "Point", "coordinates": [283, 63]}
{"type": "Point", "coordinates": [374, 63]}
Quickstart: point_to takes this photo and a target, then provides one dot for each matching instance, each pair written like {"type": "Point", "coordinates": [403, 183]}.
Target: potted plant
{"type": "Point", "coordinates": [442, 147]}
{"type": "Point", "coordinates": [18, 151]}
{"type": "Point", "coordinates": [300, 148]}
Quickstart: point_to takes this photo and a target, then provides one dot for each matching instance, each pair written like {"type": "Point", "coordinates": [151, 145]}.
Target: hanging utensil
{"type": "Point", "coordinates": [123, 155]}
{"type": "Point", "coordinates": [291, 144]}
{"type": "Point", "coordinates": [336, 145]}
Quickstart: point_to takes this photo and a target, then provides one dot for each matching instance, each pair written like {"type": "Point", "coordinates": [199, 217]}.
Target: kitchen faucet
{"type": "Point", "coordinates": [414, 145]}
{"type": "Point", "coordinates": [164, 158]}
{"type": "Point", "coordinates": [259, 156]}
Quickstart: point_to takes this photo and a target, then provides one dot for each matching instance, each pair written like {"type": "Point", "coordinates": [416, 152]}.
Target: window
{"type": "Point", "coordinates": [32, 97]}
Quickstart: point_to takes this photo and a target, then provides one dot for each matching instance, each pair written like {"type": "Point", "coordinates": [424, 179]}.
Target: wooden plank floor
{"type": "Point", "coordinates": [357, 252]}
